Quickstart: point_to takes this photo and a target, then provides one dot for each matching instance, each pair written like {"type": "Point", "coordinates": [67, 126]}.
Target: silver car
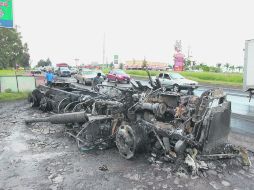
{"type": "Point", "coordinates": [176, 82]}
{"type": "Point", "coordinates": [85, 76]}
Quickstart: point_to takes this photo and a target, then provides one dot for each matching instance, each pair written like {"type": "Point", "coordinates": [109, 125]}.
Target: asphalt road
{"type": "Point", "coordinates": [242, 120]}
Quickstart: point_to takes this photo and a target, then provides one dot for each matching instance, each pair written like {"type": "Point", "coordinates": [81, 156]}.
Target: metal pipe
{"type": "Point", "coordinates": [76, 117]}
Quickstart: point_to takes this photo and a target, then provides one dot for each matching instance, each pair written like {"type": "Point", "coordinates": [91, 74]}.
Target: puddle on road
{"type": "Point", "coordinates": [16, 142]}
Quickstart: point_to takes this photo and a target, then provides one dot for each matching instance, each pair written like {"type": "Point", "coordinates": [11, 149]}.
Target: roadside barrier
{"type": "Point", "coordinates": [17, 83]}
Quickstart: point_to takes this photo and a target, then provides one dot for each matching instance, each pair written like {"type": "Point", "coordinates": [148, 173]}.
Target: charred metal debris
{"type": "Point", "coordinates": [251, 93]}
{"type": "Point", "coordinates": [172, 127]}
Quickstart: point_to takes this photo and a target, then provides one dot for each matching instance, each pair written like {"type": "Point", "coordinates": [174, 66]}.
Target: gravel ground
{"type": "Point", "coordinates": [41, 156]}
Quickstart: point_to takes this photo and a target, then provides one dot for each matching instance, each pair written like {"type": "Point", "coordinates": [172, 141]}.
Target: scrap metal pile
{"type": "Point", "coordinates": [143, 119]}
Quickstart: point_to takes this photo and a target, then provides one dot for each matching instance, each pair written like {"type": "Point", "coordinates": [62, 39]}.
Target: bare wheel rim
{"type": "Point", "coordinates": [175, 88]}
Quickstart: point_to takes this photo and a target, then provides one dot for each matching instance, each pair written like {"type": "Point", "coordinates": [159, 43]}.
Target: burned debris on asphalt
{"type": "Point", "coordinates": [186, 130]}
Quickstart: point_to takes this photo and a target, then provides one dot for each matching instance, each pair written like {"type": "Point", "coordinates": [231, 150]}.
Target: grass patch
{"type": "Point", "coordinates": [234, 78]}
{"type": "Point", "coordinates": [11, 72]}
{"type": "Point", "coordinates": [10, 96]}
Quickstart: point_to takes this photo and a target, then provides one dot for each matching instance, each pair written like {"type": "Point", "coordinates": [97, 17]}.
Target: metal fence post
{"type": "Point", "coordinates": [17, 81]}
{"type": "Point", "coordinates": [35, 82]}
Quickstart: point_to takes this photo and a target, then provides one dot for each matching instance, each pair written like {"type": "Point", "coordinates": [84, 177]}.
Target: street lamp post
{"type": "Point", "coordinates": [76, 61]}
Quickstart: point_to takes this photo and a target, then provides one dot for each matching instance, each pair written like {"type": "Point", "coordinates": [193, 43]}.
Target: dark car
{"type": "Point", "coordinates": [118, 75]}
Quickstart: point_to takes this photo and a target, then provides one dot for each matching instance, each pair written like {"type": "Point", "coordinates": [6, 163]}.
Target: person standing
{"type": "Point", "coordinates": [49, 78]}
{"type": "Point", "coordinates": [96, 80]}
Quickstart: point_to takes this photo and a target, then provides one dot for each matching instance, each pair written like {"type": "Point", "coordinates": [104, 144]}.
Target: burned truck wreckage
{"type": "Point", "coordinates": [168, 125]}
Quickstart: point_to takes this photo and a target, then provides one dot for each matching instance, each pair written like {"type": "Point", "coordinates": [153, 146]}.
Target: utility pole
{"type": "Point", "coordinates": [76, 61]}
{"type": "Point", "coordinates": [188, 52]}
{"type": "Point", "coordinates": [107, 62]}
{"type": "Point", "coordinates": [103, 49]}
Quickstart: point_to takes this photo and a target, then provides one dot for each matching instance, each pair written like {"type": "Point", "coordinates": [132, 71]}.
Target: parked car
{"type": "Point", "coordinates": [85, 76]}
{"type": "Point", "coordinates": [118, 75]}
{"type": "Point", "coordinates": [36, 71]}
{"type": "Point", "coordinates": [74, 70]}
{"type": "Point", "coordinates": [63, 72]}
{"type": "Point", "coordinates": [176, 82]}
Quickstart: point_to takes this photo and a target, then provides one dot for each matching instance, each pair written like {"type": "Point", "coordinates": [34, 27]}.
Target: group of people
{"type": "Point", "coordinates": [49, 77]}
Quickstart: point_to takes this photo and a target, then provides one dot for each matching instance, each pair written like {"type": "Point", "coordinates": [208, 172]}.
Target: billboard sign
{"type": "Point", "coordinates": [115, 59]}
{"type": "Point", "coordinates": [248, 80]}
{"type": "Point", "coordinates": [6, 14]}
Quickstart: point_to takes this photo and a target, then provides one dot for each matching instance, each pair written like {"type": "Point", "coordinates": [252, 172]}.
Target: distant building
{"type": "Point", "coordinates": [93, 65]}
{"type": "Point", "coordinates": [62, 65]}
{"type": "Point", "coordinates": [151, 65]}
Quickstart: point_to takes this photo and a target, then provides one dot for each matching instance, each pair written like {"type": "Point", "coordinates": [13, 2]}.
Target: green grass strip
{"type": "Point", "coordinates": [11, 72]}
{"type": "Point", "coordinates": [11, 96]}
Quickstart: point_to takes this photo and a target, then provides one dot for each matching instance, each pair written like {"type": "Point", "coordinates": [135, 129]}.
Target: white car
{"type": "Point", "coordinates": [85, 76]}
{"type": "Point", "coordinates": [74, 70]}
{"type": "Point", "coordinates": [176, 82]}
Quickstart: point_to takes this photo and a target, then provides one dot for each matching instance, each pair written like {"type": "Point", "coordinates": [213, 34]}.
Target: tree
{"type": "Point", "coordinates": [239, 68]}
{"type": "Point", "coordinates": [232, 68]}
{"type": "Point", "coordinates": [218, 65]}
{"type": "Point", "coordinates": [49, 63]}
{"type": "Point", "coordinates": [187, 63]}
{"type": "Point", "coordinates": [43, 63]}
{"type": "Point", "coordinates": [202, 64]}
{"type": "Point", "coordinates": [121, 66]}
{"type": "Point", "coordinates": [218, 68]}
{"type": "Point", "coordinates": [12, 51]}
{"type": "Point", "coordinates": [111, 65]}
{"type": "Point", "coordinates": [214, 69]}
{"type": "Point", "coordinates": [205, 68]}
{"type": "Point", "coordinates": [25, 58]}
{"type": "Point", "coordinates": [194, 65]}
{"type": "Point", "coordinates": [227, 65]}
{"type": "Point", "coordinates": [144, 64]}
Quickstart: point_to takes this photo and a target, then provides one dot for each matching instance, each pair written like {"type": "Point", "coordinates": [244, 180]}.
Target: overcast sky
{"type": "Point", "coordinates": [63, 30]}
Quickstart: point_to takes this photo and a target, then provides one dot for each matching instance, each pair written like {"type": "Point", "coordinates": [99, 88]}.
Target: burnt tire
{"type": "Point", "coordinates": [35, 97]}
{"type": "Point", "coordinates": [32, 100]}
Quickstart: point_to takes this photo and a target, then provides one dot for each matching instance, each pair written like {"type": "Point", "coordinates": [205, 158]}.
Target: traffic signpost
{"type": "Point", "coordinates": [6, 14]}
